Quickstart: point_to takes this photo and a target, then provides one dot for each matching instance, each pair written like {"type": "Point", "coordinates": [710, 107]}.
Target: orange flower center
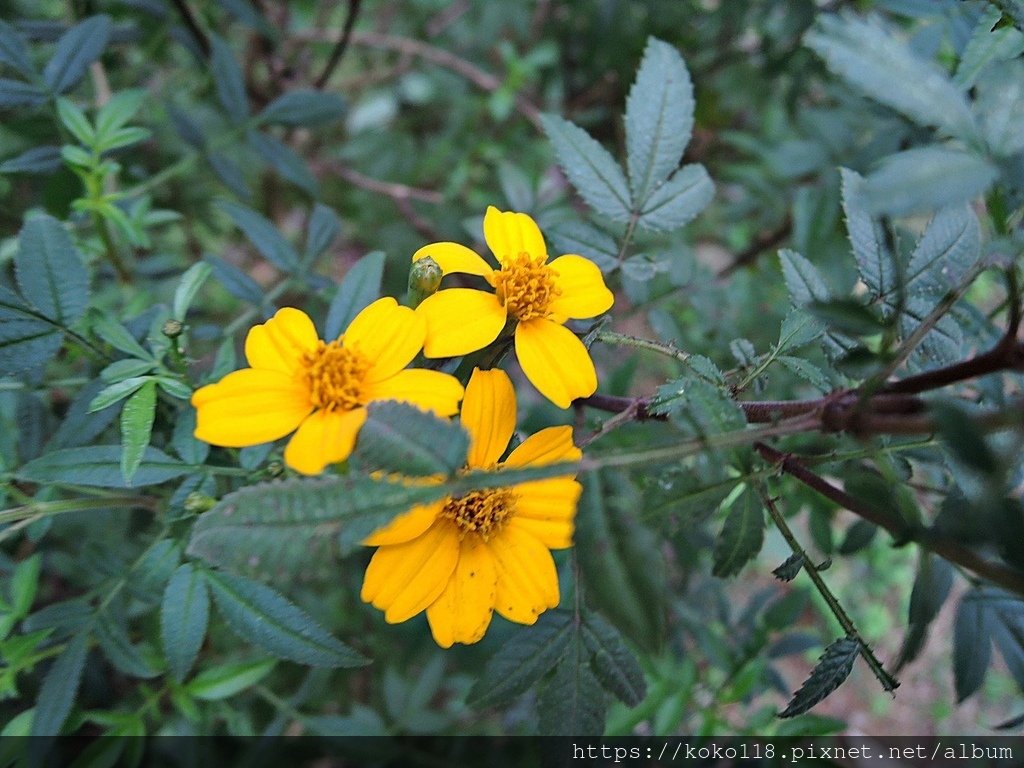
{"type": "Point", "coordinates": [481, 512]}
{"type": "Point", "coordinates": [335, 375]}
{"type": "Point", "coordinates": [525, 287]}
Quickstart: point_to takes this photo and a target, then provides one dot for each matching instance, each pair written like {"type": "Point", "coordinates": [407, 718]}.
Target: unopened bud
{"type": "Point", "coordinates": [172, 329]}
{"type": "Point", "coordinates": [275, 468]}
{"type": "Point", "coordinates": [424, 279]}
{"type": "Point", "coordinates": [197, 502]}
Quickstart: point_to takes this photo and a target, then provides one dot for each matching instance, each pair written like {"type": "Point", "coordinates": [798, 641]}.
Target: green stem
{"type": "Point", "coordinates": [110, 249]}
{"type": "Point", "coordinates": [624, 340]}
{"type": "Point", "coordinates": [49, 508]}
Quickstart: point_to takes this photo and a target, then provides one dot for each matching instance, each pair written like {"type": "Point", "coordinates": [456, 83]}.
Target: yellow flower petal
{"type": "Point", "coordinates": [404, 579]}
{"type": "Point", "coordinates": [584, 293]}
{"type": "Point", "coordinates": [509, 234]}
{"type": "Point", "coordinates": [323, 438]}
{"type": "Point", "coordinates": [406, 527]}
{"type": "Point", "coordinates": [463, 611]}
{"type": "Point", "coordinates": [553, 534]}
{"type": "Point", "coordinates": [547, 508]}
{"type": "Point", "coordinates": [489, 415]}
{"type": "Point", "coordinates": [280, 343]}
{"type": "Point", "coordinates": [555, 361]}
{"type": "Point", "coordinates": [549, 446]}
{"type": "Point", "coordinates": [452, 257]}
{"type": "Point", "coordinates": [429, 390]}
{"type": "Point", "coordinates": [460, 321]}
{"type": "Point", "coordinates": [527, 580]}
{"type": "Point", "coordinates": [388, 335]}
{"type": "Point", "coordinates": [249, 407]}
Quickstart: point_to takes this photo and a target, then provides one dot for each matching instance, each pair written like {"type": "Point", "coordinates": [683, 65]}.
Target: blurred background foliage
{"type": "Point", "coordinates": [234, 143]}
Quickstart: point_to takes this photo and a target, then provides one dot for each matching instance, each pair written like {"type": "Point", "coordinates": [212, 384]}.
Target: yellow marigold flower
{"type": "Point", "coordinates": [537, 294]}
{"type": "Point", "coordinates": [463, 558]}
{"type": "Point", "coordinates": [317, 389]}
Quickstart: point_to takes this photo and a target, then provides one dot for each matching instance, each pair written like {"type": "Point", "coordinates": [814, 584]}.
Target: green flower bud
{"type": "Point", "coordinates": [424, 280]}
{"type": "Point", "coordinates": [172, 329]}
{"type": "Point", "coordinates": [197, 502]}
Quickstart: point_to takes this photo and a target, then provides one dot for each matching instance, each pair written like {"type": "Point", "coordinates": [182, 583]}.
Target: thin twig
{"type": "Point", "coordinates": [342, 45]}
{"type": "Point", "coordinates": [193, 27]}
{"type": "Point", "coordinates": [762, 243]}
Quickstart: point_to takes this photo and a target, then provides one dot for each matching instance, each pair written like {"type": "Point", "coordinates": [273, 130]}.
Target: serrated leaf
{"type": "Point", "coordinates": [590, 169]}
{"type": "Point", "coordinates": [798, 329]}
{"type": "Point", "coordinates": [741, 537]}
{"type": "Point", "coordinates": [228, 80]}
{"type": "Point", "coordinates": [262, 234]}
{"type": "Point", "coordinates": [790, 568]}
{"type": "Point", "coordinates": [807, 371]}
{"type": "Point", "coordinates": [522, 661]}
{"type": "Point", "coordinates": [874, 260]}
{"type": "Point", "coordinates": [400, 438]}
{"type": "Point", "coordinates": [872, 59]}
{"type": "Point", "coordinates": [100, 466]}
{"type": "Point", "coordinates": [188, 287]}
{"type": "Point", "coordinates": [676, 202]}
{"type": "Point", "coordinates": [987, 46]}
{"type": "Point", "coordinates": [76, 49]}
{"type": "Point", "coordinates": [14, 93]}
{"type": "Point", "coordinates": [932, 584]}
{"type": "Point", "coordinates": [304, 108]}
{"type": "Point", "coordinates": [612, 661]}
{"type": "Point", "coordinates": [136, 427]}
{"type": "Point", "coordinates": [14, 52]}
{"type": "Point", "coordinates": [948, 249]}
{"type": "Point", "coordinates": [235, 281]}
{"type": "Point", "coordinates": [1000, 105]}
{"type": "Point", "coordinates": [260, 615]}
{"type": "Point", "coordinates": [50, 271]}
{"type": "Point", "coordinates": [831, 671]}
{"type": "Point", "coordinates": [27, 338]}
{"type": "Point", "coordinates": [358, 289]}
{"type": "Point", "coordinates": [284, 160]}
{"type": "Point", "coordinates": [117, 647]}
{"type": "Point", "coordinates": [803, 280]}
{"type": "Point", "coordinates": [698, 407]}
{"type": "Point", "coordinates": [43, 159]}
{"type": "Point", "coordinates": [572, 702]}
{"type": "Point", "coordinates": [847, 316]}
{"type": "Point", "coordinates": [60, 687]}
{"type": "Point", "coordinates": [184, 615]}
{"type": "Point", "coordinates": [79, 426]}
{"type": "Point", "coordinates": [659, 119]}
{"type": "Point", "coordinates": [323, 230]}
{"type": "Point", "coordinates": [927, 178]}
{"type": "Point", "coordinates": [972, 642]}
{"type": "Point", "coordinates": [225, 680]}
{"type": "Point", "coordinates": [585, 240]}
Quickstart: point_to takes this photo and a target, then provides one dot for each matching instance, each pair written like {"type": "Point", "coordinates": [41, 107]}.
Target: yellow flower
{"type": "Point", "coordinates": [319, 390]}
{"type": "Point", "coordinates": [462, 558]}
{"type": "Point", "coordinates": [539, 295]}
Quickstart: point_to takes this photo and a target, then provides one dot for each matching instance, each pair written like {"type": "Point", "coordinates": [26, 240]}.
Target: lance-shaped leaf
{"type": "Point", "coordinates": [60, 687]}
{"type": "Point", "coordinates": [262, 234]}
{"type": "Point", "coordinates": [228, 80]}
{"type": "Point", "coordinates": [184, 614]}
{"type": "Point", "coordinates": [100, 465]}
{"type": "Point", "coordinates": [303, 108]}
{"type": "Point", "coordinates": [874, 260]}
{"type": "Point", "coordinates": [678, 200]}
{"type": "Point", "coordinates": [50, 271]}
{"type": "Point", "coordinates": [741, 537]}
{"type": "Point", "coordinates": [398, 437]}
{"type": "Point", "coordinates": [931, 588]}
{"type": "Point", "coordinates": [27, 338]}
{"type": "Point", "coordinates": [572, 702]}
{"type": "Point", "coordinates": [77, 48]}
{"type": "Point", "coordinates": [612, 661]}
{"type": "Point", "coordinates": [136, 427]}
{"type": "Point", "coordinates": [14, 51]}
{"type": "Point", "coordinates": [359, 288]}
{"type": "Point", "coordinates": [832, 669]}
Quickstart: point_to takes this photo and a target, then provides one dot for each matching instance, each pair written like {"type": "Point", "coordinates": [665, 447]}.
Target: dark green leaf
{"type": "Point", "coordinates": [612, 661]}
{"type": "Point", "coordinates": [790, 568]}
{"type": "Point", "coordinates": [113, 639]}
{"type": "Point", "coordinates": [225, 680]}
{"type": "Point", "coordinates": [803, 279]}
{"type": "Point", "coordinates": [60, 687]}
{"type": "Point", "coordinates": [136, 427]}
{"type": "Point", "coordinates": [117, 391]}
{"type": "Point", "coordinates": [1001, 107]}
{"type": "Point", "coordinates": [323, 230]}
{"type": "Point", "coordinates": [963, 438]}
{"type": "Point", "coordinates": [228, 80]}
{"type": "Point", "coordinates": [874, 260]}
{"type": "Point", "coordinates": [235, 281]}
{"type": "Point", "coordinates": [263, 235]}
{"type": "Point", "coordinates": [100, 465]}
{"type": "Point", "coordinates": [931, 588]}
{"type": "Point", "coordinates": [43, 159]}
{"type": "Point", "coordinates": [184, 442]}
{"type": "Point", "coordinates": [847, 316]}
{"type": "Point", "coordinates": [677, 201]}
{"type": "Point", "coordinates": [522, 661]}
{"type": "Point", "coordinates": [184, 614]}
{"type": "Point", "coordinates": [586, 240]}
{"type": "Point", "coordinates": [304, 108]}
{"type": "Point", "coordinates": [230, 174]}
{"type": "Point", "coordinates": [284, 160]}
{"type": "Point", "coordinates": [858, 536]}
{"type": "Point", "coordinates": [359, 288]}
{"type": "Point", "coordinates": [14, 52]}
{"type": "Point", "coordinates": [659, 119]}
{"type": "Point", "coordinates": [572, 702]}
{"type": "Point", "coordinates": [27, 339]}
{"type": "Point", "coordinates": [591, 170]}
{"type": "Point", "coordinates": [119, 337]}
{"type": "Point", "coordinates": [972, 642]}
{"type": "Point", "coordinates": [188, 287]}
{"type": "Point", "coordinates": [988, 45]}
{"type": "Point", "coordinates": [50, 271]}
{"type": "Point", "coordinates": [77, 48]}
{"type": "Point", "coordinates": [400, 438]}
{"type": "Point", "coordinates": [260, 615]}
{"type": "Point", "coordinates": [741, 537]}
{"type": "Point", "coordinates": [832, 669]}
{"type": "Point", "coordinates": [948, 249]}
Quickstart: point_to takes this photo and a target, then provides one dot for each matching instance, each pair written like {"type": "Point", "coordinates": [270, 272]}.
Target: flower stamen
{"type": "Point", "coordinates": [335, 374]}
{"type": "Point", "coordinates": [481, 512]}
{"type": "Point", "coordinates": [525, 286]}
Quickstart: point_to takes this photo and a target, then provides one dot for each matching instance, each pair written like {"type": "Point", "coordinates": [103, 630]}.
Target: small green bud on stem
{"type": "Point", "coordinates": [424, 280]}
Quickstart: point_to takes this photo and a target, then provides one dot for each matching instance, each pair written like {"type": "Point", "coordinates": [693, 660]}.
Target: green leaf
{"type": "Point", "coordinates": [225, 680]}
{"type": "Point", "coordinates": [60, 687]}
{"type": "Point", "coordinates": [50, 271]}
{"type": "Point", "coordinates": [304, 108]}
{"type": "Point", "coordinates": [590, 169]}
{"type": "Point", "coordinates": [972, 641]}
{"type": "Point", "coordinates": [398, 437]}
{"type": "Point", "coordinates": [116, 113]}
{"type": "Point", "coordinates": [136, 427]}
{"type": "Point", "coordinates": [572, 703]}
{"type": "Point", "coordinates": [677, 201]}
{"type": "Point", "coordinates": [74, 120]}
{"type": "Point", "coordinates": [872, 59]}
{"type": "Point", "coordinates": [659, 119]}
{"type": "Point", "coordinates": [14, 52]}
{"type": "Point", "coordinates": [741, 537]}
{"type": "Point", "coordinates": [790, 568]}
{"type": "Point", "coordinates": [946, 252]}
{"type": "Point", "coordinates": [585, 240]}
{"type": "Point", "coordinates": [248, 14]}
{"type": "Point", "coordinates": [228, 80]}
{"type": "Point", "coordinates": [926, 178]}
{"type": "Point", "coordinates": [698, 407]}
{"type": "Point", "coordinates": [522, 661]}
{"type": "Point", "coordinates": [24, 584]}
{"type": "Point", "coordinates": [188, 287]}
{"type": "Point", "coordinates": [847, 316]}
{"type": "Point", "coordinates": [123, 137]}
{"type": "Point", "coordinates": [359, 288]}
{"type": "Point", "coordinates": [858, 536]}
{"type": "Point", "coordinates": [798, 329]}
{"type": "Point", "coordinates": [612, 661]}
{"type": "Point", "coordinates": [1000, 106]}
{"type": "Point", "coordinates": [184, 615]}
{"type": "Point", "coordinates": [27, 339]}
{"type": "Point", "coordinates": [987, 46]}
{"type": "Point", "coordinates": [803, 280]}
{"type": "Point", "coordinates": [43, 160]}
{"type": "Point", "coordinates": [284, 160]}
{"type": "Point", "coordinates": [76, 49]}
{"type": "Point", "coordinates": [235, 281]}
{"type": "Point", "coordinates": [117, 336]}
{"type": "Point", "coordinates": [14, 93]}
{"type": "Point", "coordinates": [262, 616]}
{"type": "Point", "coordinates": [112, 637]}
{"type": "Point", "coordinates": [322, 231]}
{"type": "Point", "coordinates": [100, 466]}
{"type": "Point", "coordinates": [807, 371]}
{"type": "Point", "coordinates": [963, 438]}
{"type": "Point", "coordinates": [874, 260]}
{"type": "Point", "coordinates": [832, 669]}
{"type": "Point", "coordinates": [932, 585]}
{"type": "Point", "coordinates": [263, 235]}
{"type": "Point", "coordinates": [117, 391]}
